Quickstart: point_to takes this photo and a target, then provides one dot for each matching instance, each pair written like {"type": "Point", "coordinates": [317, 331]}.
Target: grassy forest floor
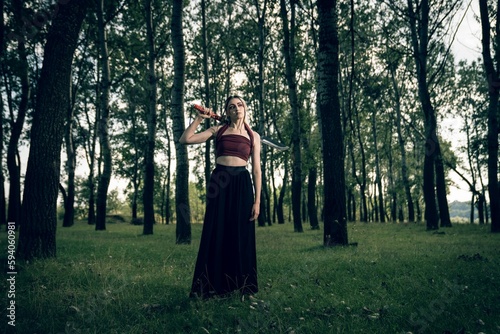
{"type": "Point", "coordinates": [399, 279]}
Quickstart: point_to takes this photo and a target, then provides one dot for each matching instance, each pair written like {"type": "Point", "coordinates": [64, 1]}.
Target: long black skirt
{"type": "Point", "coordinates": [227, 256]}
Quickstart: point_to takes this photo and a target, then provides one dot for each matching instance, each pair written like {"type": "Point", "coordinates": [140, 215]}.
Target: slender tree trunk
{"type": "Point", "coordinates": [136, 176]}
{"type": "Point", "coordinates": [480, 208]}
{"type": "Point", "coordinates": [37, 237]}
{"type": "Point", "coordinates": [363, 181]}
{"type": "Point", "coordinates": [69, 203]}
{"type": "Point", "coordinates": [183, 211]}
{"type": "Point", "coordinates": [335, 230]}
{"type": "Point", "coordinates": [90, 146]}
{"type": "Point", "coordinates": [279, 206]}
{"type": "Point", "coordinates": [273, 216]}
{"type": "Point", "coordinates": [493, 81]}
{"type": "Point", "coordinates": [3, 207]}
{"type": "Point", "coordinates": [444, 212]}
{"type": "Point", "coordinates": [289, 55]}
{"type": "Point", "coordinates": [206, 89]}
{"type": "Point", "coordinates": [168, 213]}
{"type": "Point", "coordinates": [311, 198]}
{"type": "Point", "coordinates": [149, 159]}
{"type": "Point", "coordinates": [380, 194]}
{"type": "Point", "coordinates": [105, 176]}
{"type": "Point", "coordinates": [402, 150]}
{"type": "Point", "coordinates": [351, 198]}
{"type": "Point", "coordinates": [420, 38]}
{"type": "Point", "coordinates": [392, 184]}
{"type": "Point", "coordinates": [265, 200]}
{"type": "Point", "coordinates": [16, 125]}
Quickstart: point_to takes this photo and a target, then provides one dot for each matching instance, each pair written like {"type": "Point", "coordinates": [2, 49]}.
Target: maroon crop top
{"type": "Point", "coordinates": [233, 145]}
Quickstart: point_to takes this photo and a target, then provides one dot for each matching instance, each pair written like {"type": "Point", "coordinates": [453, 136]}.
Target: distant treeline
{"type": "Point", "coordinates": [461, 209]}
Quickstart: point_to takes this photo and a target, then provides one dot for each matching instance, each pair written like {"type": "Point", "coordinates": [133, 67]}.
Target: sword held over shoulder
{"type": "Point", "coordinates": [264, 139]}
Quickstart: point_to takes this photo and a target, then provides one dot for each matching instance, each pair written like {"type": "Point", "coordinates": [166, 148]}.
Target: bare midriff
{"type": "Point", "coordinates": [227, 160]}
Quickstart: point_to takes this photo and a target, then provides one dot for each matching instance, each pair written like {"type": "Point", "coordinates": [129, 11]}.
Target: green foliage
{"type": "Point", "coordinates": [398, 279]}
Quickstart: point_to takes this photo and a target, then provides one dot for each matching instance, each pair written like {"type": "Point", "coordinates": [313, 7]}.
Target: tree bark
{"type": "Point", "coordinates": [206, 89]}
{"type": "Point", "coordinates": [37, 237]}
{"type": "Point", "coordinates": [444, 212]}
{"type": "Point", "coordinates": [420, 40]}
{"type": "Point", "coordinates": [378, 175]}
{"type": "Point", "coordinates": [493, 81]}
{"type": "Point", "coordinates": [105, 177]}
{"type": "Point", "coordinates": [16, 125]}
{"type": "Point", "coordinates": [69, 203]}
{"type": "Point", "coordinates": [149, 168]}
{"type": "Point", "coordinates": [264, 216]}
{"type": "Point", "coordinates": [3, 207]}
{"type": "Point", "coordinates": [183, 211]}
{"type": "Point", "coordinates": [289, 55]}
{"type": "Point", "coordinates": [91, 216]}
{"type": "Point", "coordinates": [335, 230]}
{"type": "Point", "coordinates": [279, 206]}
{"type": "Point", "coordinates": [402, 150]}
{"type": "Point", "coordinates": [311, 198]}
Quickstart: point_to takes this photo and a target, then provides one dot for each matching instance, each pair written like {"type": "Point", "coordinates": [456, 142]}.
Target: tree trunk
{"type": "Point", "coordinates": [13, 161]}
{"type": "Point", "coordinates": [335, 230]}
{"type": "Point", "coordinates": [136, 170]}
{"type": "Point", "coordinates": [311, 198]}
{"type": "Point", "coordinates": [444, 212]}
{"type": "Point", "coordinates": [69, 203]}
{"type": "Point", "coordinates": [168, 213]}
{"type": "Point", "coordinates": [392, 183]}
{"type": "Point", "coordinates": [420, 38]}
{"type": "Point", "coordinates": [351, 208]}
{"type": "Point", "coordinates": [37, 237]}
{"type": "Point", "coordinates": [105, 177]}
{"type": "Point", "coordinates": [90, 152]}
{"type": "Point", "coordinates": [3, 207]}
{"type": "Point", "coordinates": [363, 181]}
{"type": "Point", "coordinates": [289, 55]}
{"type": "Point", "coordinates": [279, 206]}
{"type": "Point", "coordinates": [381, 208]}
{"type": "Point", "coordinates": [402, 150]}
{"type": "Point", "coordinates": [149, 161]}
{"type": "Point", "coordinates": [183, 211]}
{"type": "Point", "coordinates": [206, 89]}
{"type": "Point", "coordinates": [265, 200]}
{"type": "Point", "coordinates": [493, 81]}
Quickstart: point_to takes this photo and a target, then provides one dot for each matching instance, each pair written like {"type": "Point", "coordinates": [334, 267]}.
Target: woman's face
{"type": "Point", "coordinates": [235, 108]}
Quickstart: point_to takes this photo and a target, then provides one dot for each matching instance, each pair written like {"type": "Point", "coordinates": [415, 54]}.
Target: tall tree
{"type": "Point", "coordinates": [69, 202]}
{"type": "Point", "coordinates": [261, 21]}
{"type": "Point", "coordinates": [491, 59]}
{"type": "Point", "coordinates": [3, 208]}
{"type": "Point", "coordinates": [149, 168]}
{"type": "Point", "coordinates": [206, 86]}
{"type": "Point", "coordinates": [17, 123]}
{"type": "Point", "coordinates": [334, 211]}
{"type": "Point", "coordinates": [183, 211]}
{"type": "Point", "coordinates": [378, 174]}
{"type": "Point", "coordinates": [289, 31]}
{"type": "Point", "coordinates": [37, 236]}
{"type": "Point", "coordinates": [401, 143]}
{"type": "Point", "coordinates": [103, 120]}
{"type": "Point", "coordinates": [419, 20]}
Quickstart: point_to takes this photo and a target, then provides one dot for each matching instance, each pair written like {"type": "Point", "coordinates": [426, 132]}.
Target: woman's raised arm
{"type": "Point", "coordinates": [190, 137]}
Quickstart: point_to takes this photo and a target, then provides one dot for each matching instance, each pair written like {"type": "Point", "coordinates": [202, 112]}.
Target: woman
{"type": "Point", "coordinates": [227, 257]}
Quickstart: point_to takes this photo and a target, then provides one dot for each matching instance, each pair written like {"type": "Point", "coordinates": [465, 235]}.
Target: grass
{"type": "Point", "coordinates": [399, 279]}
